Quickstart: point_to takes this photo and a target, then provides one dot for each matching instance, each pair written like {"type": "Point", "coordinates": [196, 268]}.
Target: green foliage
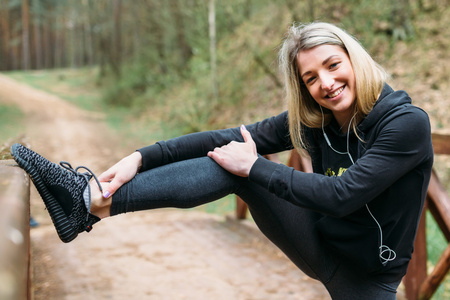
{"type": "Point", "coordinates": [436, 244]}
{"type": "Point", "coordinates": [248, 35]}
{"type": "Point", "coordinates": [226, 205]}
{"type": "Point", "coordinates": [11, 120]}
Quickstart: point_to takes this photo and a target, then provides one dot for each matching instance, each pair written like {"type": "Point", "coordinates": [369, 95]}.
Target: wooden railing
{"type": "Point", "coordinates": [15, 280]}
{"type": "Point", "coordinates": [419, 285]}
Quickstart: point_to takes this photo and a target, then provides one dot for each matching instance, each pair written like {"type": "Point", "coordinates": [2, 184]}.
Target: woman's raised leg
{"type": "Point", "coordinates": [183, 184]}
{"type": "Point", "coordinates": [198, 181]}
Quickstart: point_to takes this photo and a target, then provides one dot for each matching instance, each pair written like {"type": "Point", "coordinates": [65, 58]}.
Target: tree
{"type": "Point", "coordinates": [25, 35]}
{"type": "Point", "coordinates": [117, 38]}
{"type": "Point", "coordinates": [5, 60]}
{"type": "Point", "coordinates": [402, 27]}
{"type": "Point", "coordinates": [183, 45]}
{"type": "Point", "coordinates": [37, 12]}
{"type": "Point", "coordinates": [212, 37]}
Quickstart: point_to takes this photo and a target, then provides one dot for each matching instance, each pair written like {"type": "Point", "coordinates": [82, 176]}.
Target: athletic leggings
{"type": "Point", "coordinates": [198, 181]}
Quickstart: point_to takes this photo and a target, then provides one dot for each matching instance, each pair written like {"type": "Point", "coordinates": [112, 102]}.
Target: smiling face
{"type": "Point", "coordinates": [328, 75]}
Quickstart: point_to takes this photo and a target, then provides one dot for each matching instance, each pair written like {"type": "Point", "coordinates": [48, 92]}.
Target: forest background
{"type": "Point", "coordinates": [158, 69]}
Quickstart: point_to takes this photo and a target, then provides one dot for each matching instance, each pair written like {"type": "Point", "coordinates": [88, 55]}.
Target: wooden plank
{"type": "Point", "coordinates": [417, 268]}
{"type": "Point", "coordinates": [241, 209]}
{"type": "Point", "coordinates": [441, 143]}
{"type": "Point", "coordinates": [433, 280]}
{"type": "Point", "coordinates": [439, 204]}
{"type": "Point", "coordinates": [15, 228]}
{"type": "Point", "coordinates": [299, 162]}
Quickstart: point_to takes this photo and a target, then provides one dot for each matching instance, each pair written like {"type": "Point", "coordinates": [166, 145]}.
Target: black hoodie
{"type": "Point", "coordinates": [391, 172]}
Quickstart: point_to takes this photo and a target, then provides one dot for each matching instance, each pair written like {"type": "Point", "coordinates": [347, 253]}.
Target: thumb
{"type": "Point", "coordinates": [246, 134]}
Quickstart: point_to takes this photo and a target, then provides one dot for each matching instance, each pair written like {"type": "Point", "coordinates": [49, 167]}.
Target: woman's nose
{"type": "Point", "coordinates": [327, 82]}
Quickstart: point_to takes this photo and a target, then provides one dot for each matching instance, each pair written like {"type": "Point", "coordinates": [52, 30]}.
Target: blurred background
{"type": "Point", "coordinates": [203, 57]}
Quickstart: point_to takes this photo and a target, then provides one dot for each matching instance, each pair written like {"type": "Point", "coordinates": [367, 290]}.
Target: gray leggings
{"type": "Point", "coordinates": [198, 181]}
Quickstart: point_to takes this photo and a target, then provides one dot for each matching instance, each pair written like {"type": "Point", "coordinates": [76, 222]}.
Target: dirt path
{"type": "Point", "coordinates": [161, 254]}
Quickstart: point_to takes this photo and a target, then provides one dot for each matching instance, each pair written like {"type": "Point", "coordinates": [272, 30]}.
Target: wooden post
{"type": "Point", "coordinates": [15, 232]}
{"type": "Point", "coordinates": [241, 208]}
{"type": "Point", "coordinates": [417, 268]}
{"type": "Point", "coordinates": [439, 204]}
{"type": "Point", "coordinates": [300, 163]}
{"type": "Point", "coordinates": [417, 284]}
{"type": "Point", "coordinates": [441, 143]}
{"type": "Point", "coordinates": [433, 280]}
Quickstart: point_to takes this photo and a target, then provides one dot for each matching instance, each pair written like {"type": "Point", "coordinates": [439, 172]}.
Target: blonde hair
{"type": "Point", "coordinates": [303, 109]}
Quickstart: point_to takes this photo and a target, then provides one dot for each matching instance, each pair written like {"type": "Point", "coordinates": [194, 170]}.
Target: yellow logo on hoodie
{"type": "Point", "coordinates": [331, 173]}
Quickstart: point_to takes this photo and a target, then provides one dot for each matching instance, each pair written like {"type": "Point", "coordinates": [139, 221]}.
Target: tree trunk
{"type": "Point", "coordinates": [292, 6]}
{"type": "Point", "coordinates": [5, 34]}
{"type": "Point", "coordinates": [47, 29]}
{"type": "Point", "coordinates": [212, 48]}
{"type": "Point", "coordinates": [117, 43]}
{"type": "Point", "coordinates": [183, 45]}
{"type": "Point", "coordinates": [401, 19]}
{"type": "Point", "coordinates": [25, 35]}
{"type": "Point", "coordinates": [89, 45]}
{"type": "Point", "coordinates": [37, 34]}
{"type": "Point", "coordinates": [157, 40]}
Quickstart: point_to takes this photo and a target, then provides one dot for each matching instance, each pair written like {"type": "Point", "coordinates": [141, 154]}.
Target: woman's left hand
{"type": "Point", "coordinates": [236, 157]}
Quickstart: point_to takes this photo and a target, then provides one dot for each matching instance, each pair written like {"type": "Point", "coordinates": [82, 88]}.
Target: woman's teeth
{"type": "Point", "coordinates": [336, 93]}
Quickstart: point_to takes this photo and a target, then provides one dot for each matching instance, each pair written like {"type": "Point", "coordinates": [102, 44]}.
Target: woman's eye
{"type": "Point", "coordinates": [310, 80]}
{"type": "Point", "coordinates": [334, 65]}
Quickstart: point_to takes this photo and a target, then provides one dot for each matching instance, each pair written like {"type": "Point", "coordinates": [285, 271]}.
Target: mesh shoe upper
{"type": "Point", "coordinates": [63, 190]}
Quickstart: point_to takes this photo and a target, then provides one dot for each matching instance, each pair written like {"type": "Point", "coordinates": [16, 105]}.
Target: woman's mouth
{"type": "Point", "coordinates": [335, 93]}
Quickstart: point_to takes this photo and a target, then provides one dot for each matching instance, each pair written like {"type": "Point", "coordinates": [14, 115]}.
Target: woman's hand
{"type": "Point", "coordinates": [237, 158]}
{"type": "Point", "coordinates": [121, 173]}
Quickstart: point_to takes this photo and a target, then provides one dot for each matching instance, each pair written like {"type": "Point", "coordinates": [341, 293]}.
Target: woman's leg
{"type": "Point", "coordinates": [291, 228]}
{"type": "Point", "coordinates": [349, 284]}
{"type": "Point", "coordinates": [183, 184]}
{"type": "Point", "coordinates": [67, 196]}
{"type": "Point", "coordinates": [195, 182]}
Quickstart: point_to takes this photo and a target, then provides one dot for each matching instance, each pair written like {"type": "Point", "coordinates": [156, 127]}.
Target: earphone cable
{"type": "Point", "coordinates": [383, 249]}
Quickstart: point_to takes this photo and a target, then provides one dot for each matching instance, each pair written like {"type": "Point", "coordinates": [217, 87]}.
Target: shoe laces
{"type": "Point", "coordinates": [85, 177]}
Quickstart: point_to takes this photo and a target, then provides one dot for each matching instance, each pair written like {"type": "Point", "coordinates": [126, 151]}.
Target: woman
{"type": "Point", "coordinates": [351, 224]}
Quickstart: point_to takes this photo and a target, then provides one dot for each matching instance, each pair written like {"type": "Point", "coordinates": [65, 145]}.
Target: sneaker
{"type": "Point", "coordinates": [65, 191]}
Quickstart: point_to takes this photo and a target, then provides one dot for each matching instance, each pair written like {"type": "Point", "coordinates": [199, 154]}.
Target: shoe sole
{"type": "Point", "coordinates": [63, 226]}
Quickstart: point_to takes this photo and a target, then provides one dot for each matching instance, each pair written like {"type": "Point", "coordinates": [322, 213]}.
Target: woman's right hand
{"type": "Point", "coordinates": [121, 173]}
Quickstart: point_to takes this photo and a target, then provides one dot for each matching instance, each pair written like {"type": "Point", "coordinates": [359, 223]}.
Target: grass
{"type": "Point", "coordinates": [11, 120]}
{"type": "Point", "coordinates": [436, 244]}
{"type": "Point", "coordinates": [78, 86]}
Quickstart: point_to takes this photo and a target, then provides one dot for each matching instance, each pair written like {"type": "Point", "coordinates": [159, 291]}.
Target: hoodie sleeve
{"type": "Point", "coordinates": [402, 143]}
{"type": "Point", "coordinates": [270, 135]}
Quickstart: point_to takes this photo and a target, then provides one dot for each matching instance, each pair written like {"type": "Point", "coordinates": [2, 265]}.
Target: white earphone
{"type": "Point", "coordinates": [386, 254]}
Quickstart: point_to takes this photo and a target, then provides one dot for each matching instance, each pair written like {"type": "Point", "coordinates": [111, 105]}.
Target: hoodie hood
{"type": "Point", "coordinates": [388, 100]}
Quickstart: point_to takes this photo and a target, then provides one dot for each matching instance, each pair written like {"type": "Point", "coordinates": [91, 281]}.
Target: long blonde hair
{"type": "Point", "coordinates": [303, 109]}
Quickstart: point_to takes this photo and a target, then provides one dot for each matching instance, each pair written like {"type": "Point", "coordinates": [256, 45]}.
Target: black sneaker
{"type": "Point", "coordinates": [65, 191]}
